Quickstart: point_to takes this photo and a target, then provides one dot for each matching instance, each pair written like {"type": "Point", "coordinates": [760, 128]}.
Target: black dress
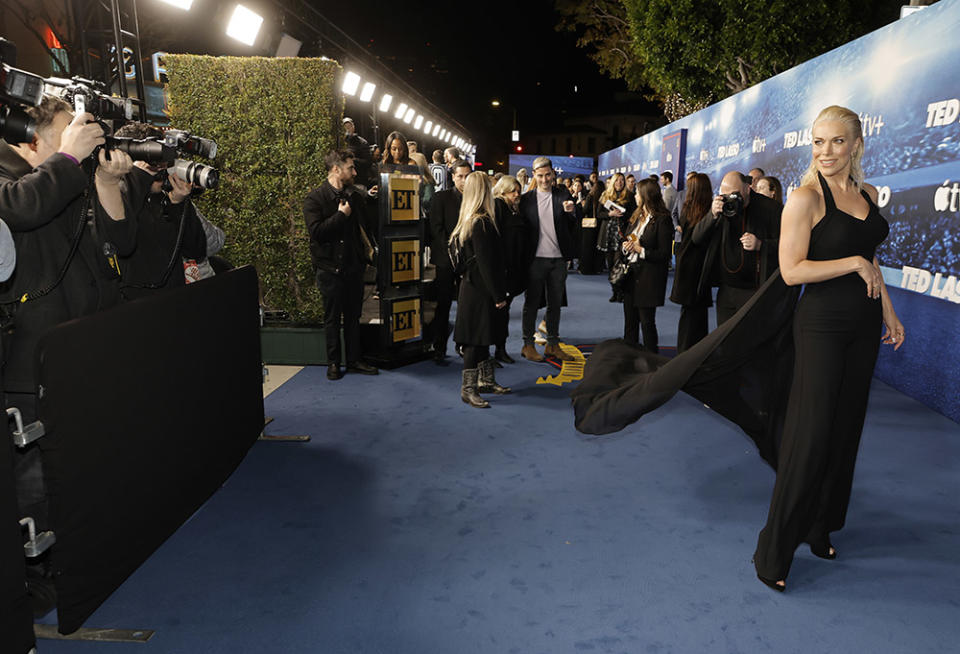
{"type": "Point", "coordinates": [837, 335]}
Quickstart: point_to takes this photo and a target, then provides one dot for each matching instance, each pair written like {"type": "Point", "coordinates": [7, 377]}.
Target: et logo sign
{"type": "Point", "coordinates": [404, 198]}
{"type": "Point", "coordinates": [404, 261]}
{"type": "Point", "coordinates": [405, 320]}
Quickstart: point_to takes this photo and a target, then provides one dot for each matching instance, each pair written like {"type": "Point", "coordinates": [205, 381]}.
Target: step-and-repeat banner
{"type": "Point", "coordinates": [903, 82]}
{"type": "Point", "coordinates": [563, 165]}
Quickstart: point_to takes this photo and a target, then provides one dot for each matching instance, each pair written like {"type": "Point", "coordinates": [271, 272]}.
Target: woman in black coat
{"type": "Point", "coordinates": [483, 289]}
{"type": "Point", "coordinates": [646, 247]}
{"type": "Point", "coordinates": [693, 299]}
{"type": "Point", "coordinates": [513, 236]}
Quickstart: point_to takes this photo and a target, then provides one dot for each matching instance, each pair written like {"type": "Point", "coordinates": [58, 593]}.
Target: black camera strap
{"type": "Point", "coordinates": [74, 245]}
{"type": "Point", "coordinates": [174, 256]}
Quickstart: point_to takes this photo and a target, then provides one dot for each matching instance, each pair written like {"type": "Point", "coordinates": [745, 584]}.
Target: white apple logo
{"type": "Point", "coordinates": [941, 199]}
{"type": "Point", "coordinates": [883, 196]}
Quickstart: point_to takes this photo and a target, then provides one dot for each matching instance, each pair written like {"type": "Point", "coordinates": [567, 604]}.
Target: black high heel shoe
{"type": "Point", "coordinates": [770, 583]}
{"type": "Point", "coordinates": [820, 546]}
{"type": "Point", "coordinates": [827, 551]}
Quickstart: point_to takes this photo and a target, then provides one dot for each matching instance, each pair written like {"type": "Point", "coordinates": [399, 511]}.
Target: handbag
{"type": "Point", "coordinates": [618, 274]}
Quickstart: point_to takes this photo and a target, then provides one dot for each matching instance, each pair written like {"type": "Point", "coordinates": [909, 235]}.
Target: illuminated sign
{"type": "Point", "coordinates": [404, 261]}
{"type": "Point", "coordinates": [404, 198]}
{"type": "Point", "coordinates": [405, 320]}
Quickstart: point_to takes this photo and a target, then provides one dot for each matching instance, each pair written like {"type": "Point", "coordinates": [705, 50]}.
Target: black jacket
{"type": "Point", "coordinates": [647, 280]}
{"type": "Point", "coordinates": [513, 236]}
{"type": "Point", "coordinates": [335, 242]}
{"type": "Point", "coordinates": [686, 277]}
{"type": "Point", "coordinates": [563, 222]}
{"type": "Point", "coordinates": [722, 238]}
{"type": "Point", "coordinates": [444, 213]}
{"type": "Point", "coordinates": [483, 286]}
{"type": "Point", "coordinates": [42, 208]}
{"type": "Point", "coordinates": [158, 223]}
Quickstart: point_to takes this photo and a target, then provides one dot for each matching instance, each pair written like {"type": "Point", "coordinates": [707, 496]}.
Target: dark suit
{"type": "Point", "coordinates": [547, 273]}
{"type": "Point", "coordinates": [444, 213]}
{"type": "Point", "coordinates": [338, 259]}
{"type": "Point", "coordinates": [647, 281]}
{"type": "Point", "coordinates": [738, 272]}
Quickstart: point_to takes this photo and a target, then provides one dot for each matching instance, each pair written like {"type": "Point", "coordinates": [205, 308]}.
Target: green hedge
{"type": "Point", "coordinates": [273, 120]}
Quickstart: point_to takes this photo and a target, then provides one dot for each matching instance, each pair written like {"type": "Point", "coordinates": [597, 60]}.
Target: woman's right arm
{"type": "Point", "coordinates": [795, 229]}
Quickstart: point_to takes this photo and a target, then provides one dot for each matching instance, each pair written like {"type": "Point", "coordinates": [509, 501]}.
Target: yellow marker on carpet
{"type": "Point", "coordinates": [569, 370]}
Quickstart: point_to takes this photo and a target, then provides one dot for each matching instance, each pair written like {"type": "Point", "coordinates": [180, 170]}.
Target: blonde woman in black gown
{"type": "Point", "coordinates": [830, 230]}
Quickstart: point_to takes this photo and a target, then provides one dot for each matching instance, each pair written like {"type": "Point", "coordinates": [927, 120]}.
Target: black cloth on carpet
{"type": "Point", "coordinates": [738, 370]}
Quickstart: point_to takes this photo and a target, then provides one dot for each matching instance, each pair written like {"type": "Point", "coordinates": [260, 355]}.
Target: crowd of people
{"type": "Point", "coordinates": [495, 237]}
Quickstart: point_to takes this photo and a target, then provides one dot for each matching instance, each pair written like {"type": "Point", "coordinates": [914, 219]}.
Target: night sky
{"type": "Point", "coordinates": [459, 57]}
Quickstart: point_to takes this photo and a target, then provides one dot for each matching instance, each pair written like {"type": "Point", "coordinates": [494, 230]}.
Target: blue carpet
{"type": "Point", "coordinates": [414, 524]}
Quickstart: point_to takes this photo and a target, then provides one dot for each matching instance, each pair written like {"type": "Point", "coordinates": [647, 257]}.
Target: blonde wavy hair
{"type": "Point", "coordinates": [610, 192]}
{"type": "Point", "coordinates": [477, 204]}
{"type": "Point", "coordinates": [852, 121]}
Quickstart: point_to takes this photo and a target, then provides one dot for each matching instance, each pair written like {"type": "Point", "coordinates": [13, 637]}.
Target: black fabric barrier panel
{"type": "Point", "coordinates": [16, 617]}
{"type": "Point", "coordinates": [148, 408]}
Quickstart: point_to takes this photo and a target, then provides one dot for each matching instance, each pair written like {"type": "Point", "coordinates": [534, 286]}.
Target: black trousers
{"type": "Point", "coordinates": [473, 355]}
{"type": "Point", "coordinates": [503, 315]}
{"type": "Point", "coordinates": [589, 254]}
{"type": "Point", "coordinates": [729, 301]}
{"type": "Point", "coordinates": [342, 302]}
{"type": "Point", "coordinates": [551, 274]}
{"type": "Point", "coordinates": [446, 285]}
{"type": "Point", "coordinates": [835, 357]}
{"type": "Point", "coordinates": [636, 319]}
{"type": "Point", "coordinates": [692, 327]}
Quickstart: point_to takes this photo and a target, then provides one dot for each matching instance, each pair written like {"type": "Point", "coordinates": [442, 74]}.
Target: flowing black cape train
{"type": "Point", "coordinates": [742, 370]}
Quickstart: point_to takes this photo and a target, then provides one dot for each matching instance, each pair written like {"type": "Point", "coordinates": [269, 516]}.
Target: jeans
{"type": "Point", "coordinates": [550, 275]}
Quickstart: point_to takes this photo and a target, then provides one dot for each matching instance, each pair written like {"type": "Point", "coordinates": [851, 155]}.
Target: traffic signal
{"type": "Point", "coordinates": [519, 148]}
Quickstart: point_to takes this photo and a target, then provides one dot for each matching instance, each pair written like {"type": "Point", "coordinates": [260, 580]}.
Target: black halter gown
{"type": "Point", "coordinates": [836, 336]}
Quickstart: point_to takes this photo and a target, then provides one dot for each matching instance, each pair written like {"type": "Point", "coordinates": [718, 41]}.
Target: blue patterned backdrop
{"type": "Point", "coordinates": [565, 166]}
{"type": "Point", "coordinates": [903, 81]}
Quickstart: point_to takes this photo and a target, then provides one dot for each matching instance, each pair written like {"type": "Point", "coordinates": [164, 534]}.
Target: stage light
{"type": "Point", "coordinates": [402, 109]}
{"type": "Point", "coordinates": [436, 129]}
{"type": "Point", "coordinates": [418, 122]}
{"type": "Point", "coordinates": [409, 115]}
{"type": "Point", "coordinates": [180, 4]}
{"type": "Point", "coordinates": [244, 25]}
{"type": "Point", "coordinates": [351, 82]}
{"type": "Point", "coordinates": [453, 139]}
{"type": "Point", "coordinates": [385, 102]}
{"type": "Point", "coordinates": [367, 93]}
{"type": "Point", "coordinates": [428, 127]}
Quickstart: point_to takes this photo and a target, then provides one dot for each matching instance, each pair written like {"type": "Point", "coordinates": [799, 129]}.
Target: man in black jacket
{"type": "Point", "coordinates": [444, 213]}
{"type": "Point", "coordinates": [334, 218]}
{"type": "Point", "coordinates": [63, 236]}
{"type": "Point", "coordinates": [157, 261]}
{"type": "Point", "coordinates": [550, 214]}
{"type": "Point", "coordinates": [42, 187]}
{"type": "Point", "coordinates": [743, 243]}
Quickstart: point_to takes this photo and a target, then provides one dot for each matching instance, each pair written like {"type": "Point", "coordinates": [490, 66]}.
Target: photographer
{"type": "Point", "coordinates": [156, 262]}
{"type": "Point", "coordinates": [743, 235]}
{"type": "Point", "coordinates": [42, 185]}
{"type": "Point", "coordinates": [339, 249]}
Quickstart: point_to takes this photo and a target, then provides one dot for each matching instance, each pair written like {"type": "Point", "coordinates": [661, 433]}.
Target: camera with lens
{"type": "Point", "coordinates": [732, 204]}
{"type": "Point", "coordinates": [188, 144]}
{"type": "Point", "coordinates": [18, 90]}
{"type": "Point", "coordinates": [89, 96]}
{"type": "Point", "coordinates": [165, 151]}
